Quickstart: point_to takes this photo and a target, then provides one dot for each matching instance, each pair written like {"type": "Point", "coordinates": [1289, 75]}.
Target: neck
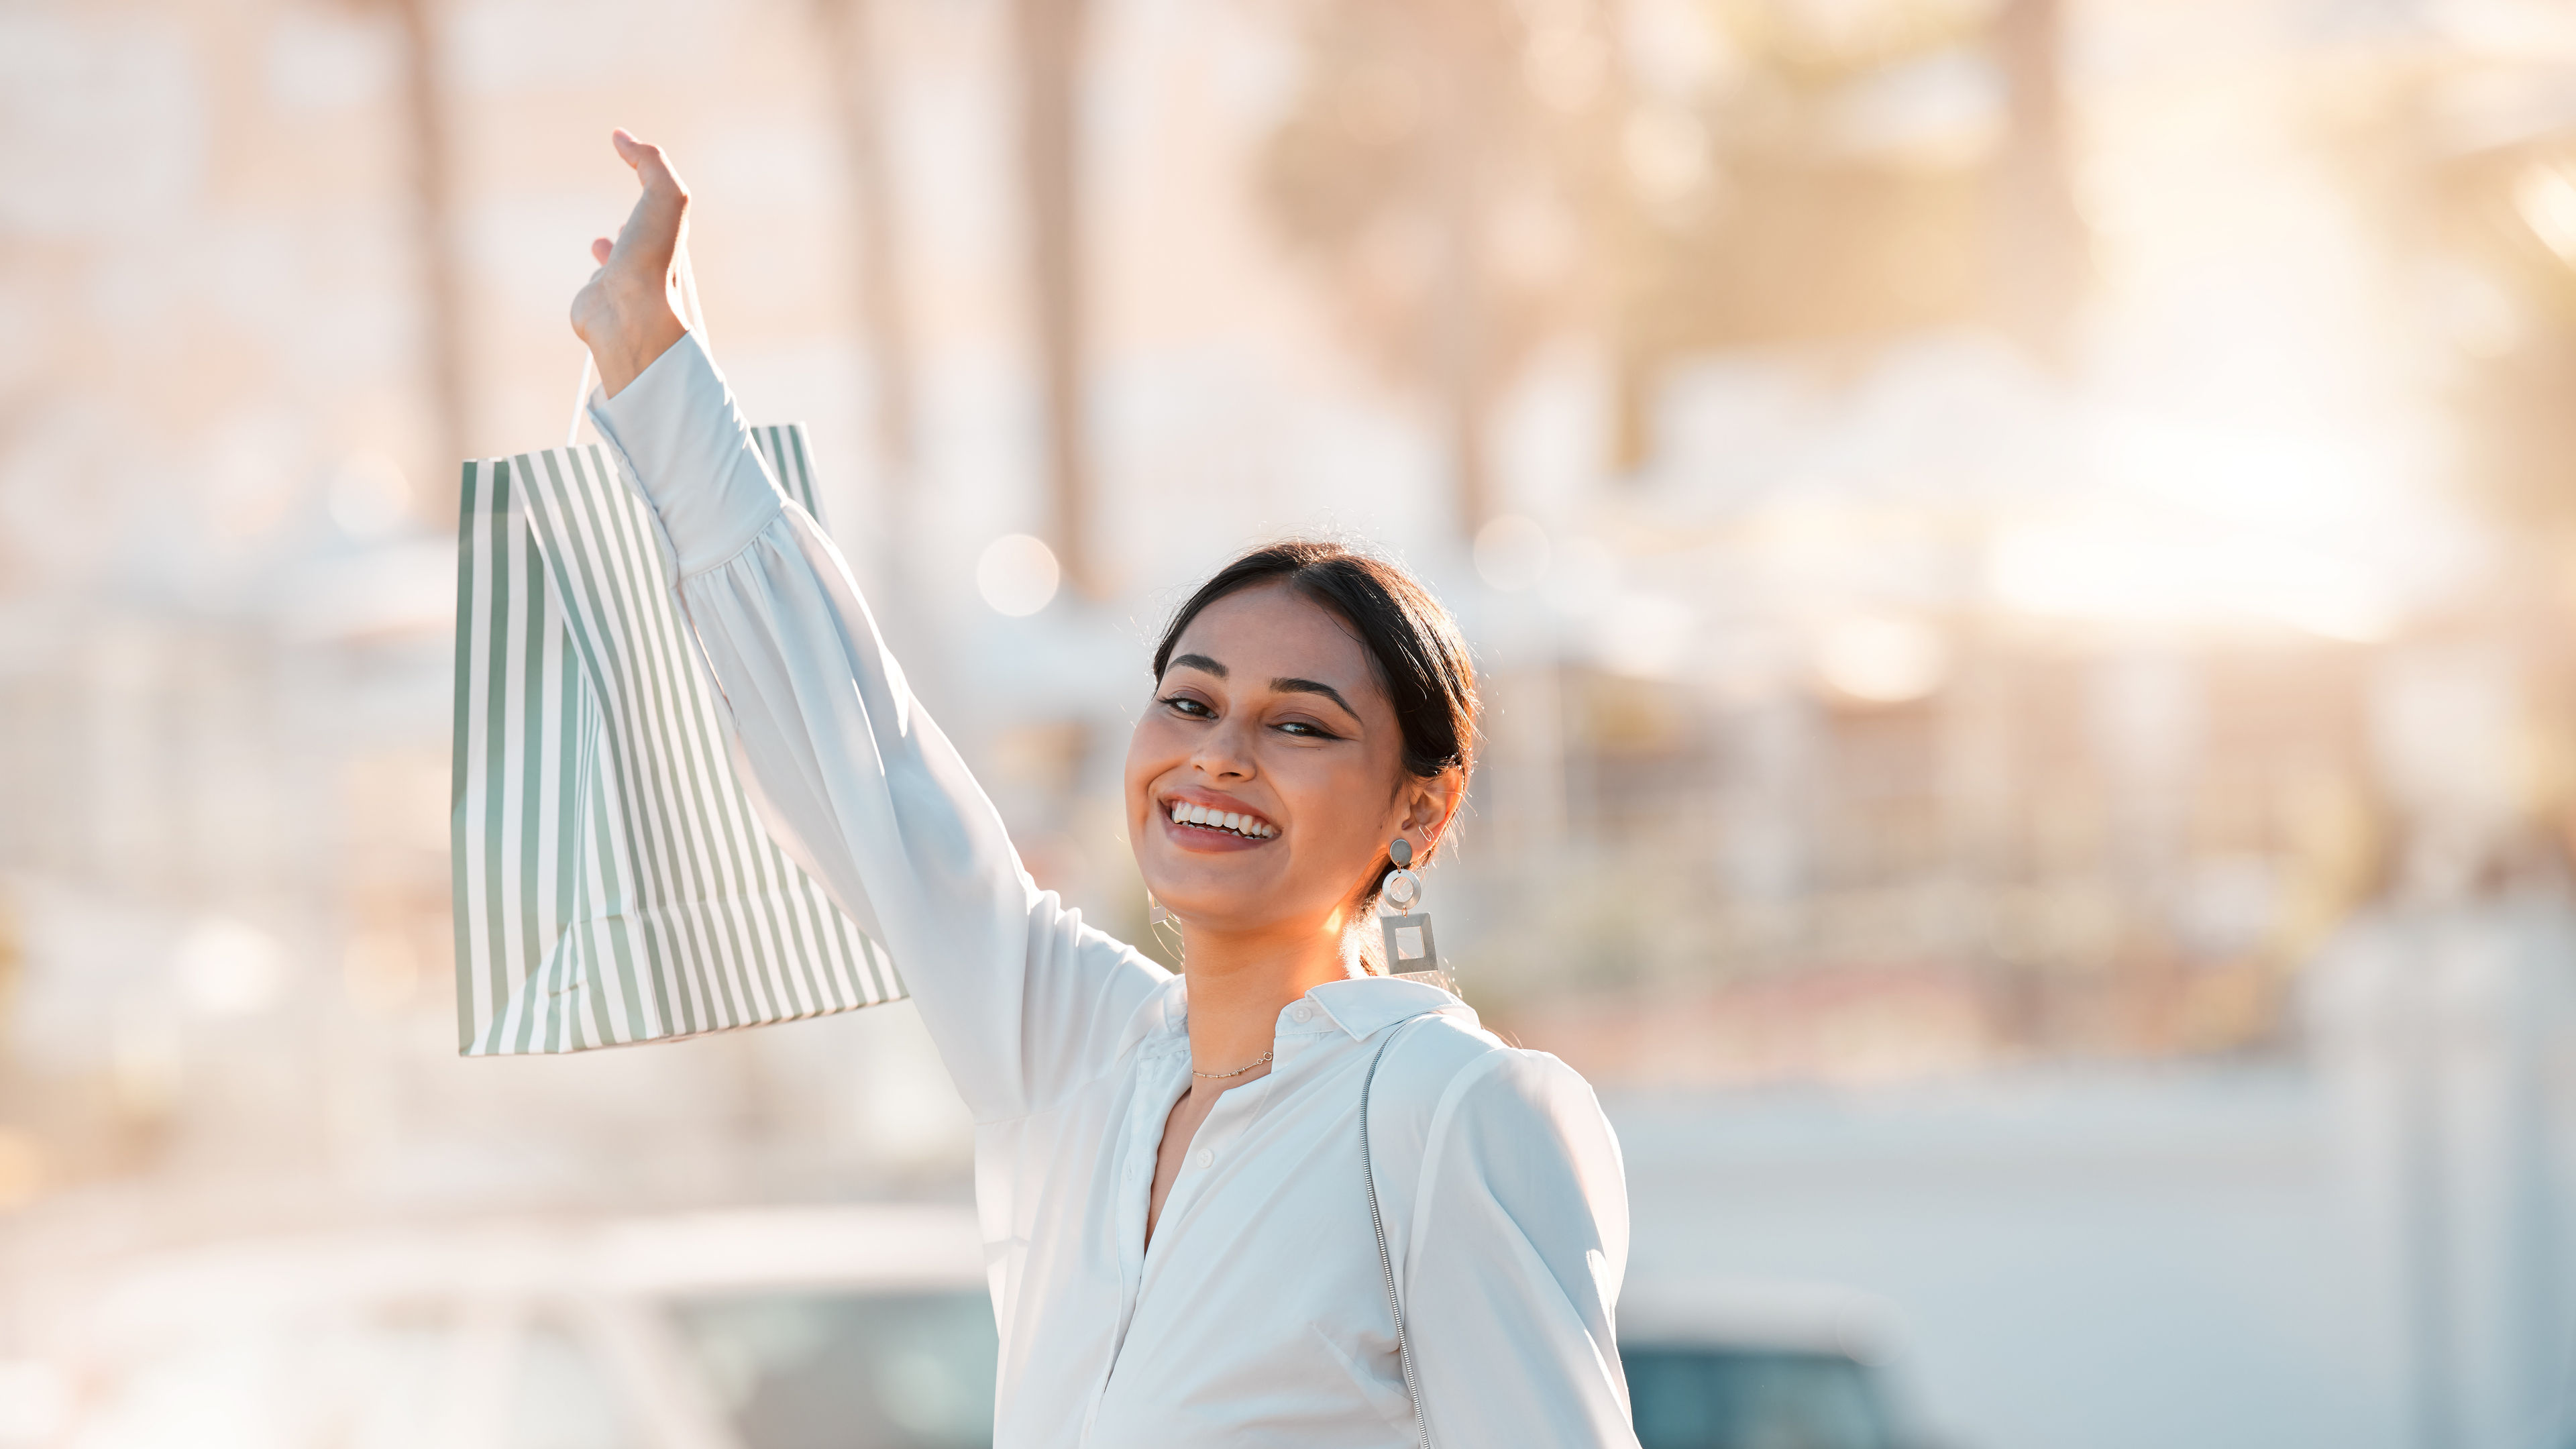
{"type": "Point", "coordinates": [1240, 983]}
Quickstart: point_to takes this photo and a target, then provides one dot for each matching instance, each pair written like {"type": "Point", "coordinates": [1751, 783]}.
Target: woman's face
{"type": "Point", "coordinates": [1270, 713]}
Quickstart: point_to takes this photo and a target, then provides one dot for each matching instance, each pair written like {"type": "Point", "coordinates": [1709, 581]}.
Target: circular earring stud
{"type": "Point", "coordinates": [1403, 888]}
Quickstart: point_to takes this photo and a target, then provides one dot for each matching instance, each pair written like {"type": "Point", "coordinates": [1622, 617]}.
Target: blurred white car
{"type": "Point", "coordinates": [854, 1328]}
{"type": "Point", "coordinates": [822, 1328]}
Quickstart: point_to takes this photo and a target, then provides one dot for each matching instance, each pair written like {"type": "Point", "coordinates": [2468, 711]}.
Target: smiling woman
{"type": "Point", "coordinates": [1283, 1199]}
{"type": "Point", "coordinates": [1309, 628]}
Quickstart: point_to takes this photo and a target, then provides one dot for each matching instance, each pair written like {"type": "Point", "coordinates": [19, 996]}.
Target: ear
{"type": "Point", "coordinates": [1429, 806]}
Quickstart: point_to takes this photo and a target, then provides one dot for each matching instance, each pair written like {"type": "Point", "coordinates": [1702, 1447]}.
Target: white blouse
{"type": "Point", "coordinates": [1258, 1316]}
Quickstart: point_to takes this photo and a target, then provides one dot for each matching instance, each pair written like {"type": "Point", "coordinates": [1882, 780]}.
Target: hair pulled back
{"type": "Point", "coordinates": [1413, 645]}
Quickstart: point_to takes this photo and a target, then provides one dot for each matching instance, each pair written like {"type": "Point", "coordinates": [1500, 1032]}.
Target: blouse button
{"type": "Point", "coordinates": [1301, 1013]}
{"type": "Point", "coordinates": [1206, 1158]}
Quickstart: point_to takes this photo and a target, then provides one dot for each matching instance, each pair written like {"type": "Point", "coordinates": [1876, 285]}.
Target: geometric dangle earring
{"type": "Point", "coordinates": [1410, 950]}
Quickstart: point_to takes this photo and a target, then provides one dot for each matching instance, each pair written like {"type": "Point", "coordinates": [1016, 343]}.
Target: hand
{"type": "Point", "coordinates": [628, 312]}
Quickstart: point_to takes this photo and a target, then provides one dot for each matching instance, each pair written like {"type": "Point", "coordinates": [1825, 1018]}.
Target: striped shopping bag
{"type": "Point", "coordinates": [611, 881]}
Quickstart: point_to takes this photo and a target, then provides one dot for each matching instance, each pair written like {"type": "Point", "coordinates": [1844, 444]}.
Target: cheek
{"type": "Point", "coordinates": [1332, 795]}
{"type": "Point", "coordinates": [1153, 749]}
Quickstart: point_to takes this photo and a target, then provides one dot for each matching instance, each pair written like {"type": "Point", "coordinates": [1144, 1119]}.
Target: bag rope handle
{"type": "Point", "coordinates": [1377, 1220]}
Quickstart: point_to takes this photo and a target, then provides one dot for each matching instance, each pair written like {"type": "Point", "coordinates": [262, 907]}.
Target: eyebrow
{"type": "Point", "coordinates": [1311, 686]}
{"type": "Point", "coordinates": [1286, 684]}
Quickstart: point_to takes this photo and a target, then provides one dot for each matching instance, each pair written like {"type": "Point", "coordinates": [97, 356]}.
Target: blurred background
{"type": "Point", "coordinates": [2019, 553]}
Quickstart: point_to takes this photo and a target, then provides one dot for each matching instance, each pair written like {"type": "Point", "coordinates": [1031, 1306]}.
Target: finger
{"type": "Point", "coordinates": [654, 170]}
{"type": "Point", "coordinates": [652, 232]}
{"type": "Point", "coordinates": [600, 247]}
{"type": "Point", "coordinates": [651, 166]}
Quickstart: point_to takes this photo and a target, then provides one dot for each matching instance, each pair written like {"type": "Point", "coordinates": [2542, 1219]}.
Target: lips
{"type": "Point", "coordinates": [1209, 817]}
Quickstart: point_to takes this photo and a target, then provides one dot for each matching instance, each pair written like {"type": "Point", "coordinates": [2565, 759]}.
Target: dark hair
{"type": "Point", "coordinates": [1420, 657]}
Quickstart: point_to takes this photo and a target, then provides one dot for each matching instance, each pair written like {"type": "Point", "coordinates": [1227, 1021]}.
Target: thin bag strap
{"type": "Point", "coordinates": [1377, 1220]}
{"type": "Point", "coordinates": [581, 397]}
{"type": "Point", "coordinates": [690, 317]}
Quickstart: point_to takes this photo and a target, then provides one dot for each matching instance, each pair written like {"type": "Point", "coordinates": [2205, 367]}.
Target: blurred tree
{"type": "Point", "coordinates": [1050, 53]}
{"type": "Point", "coordinates": [1825, 213]}
{"type": "Point", "coordinates": [2036, 248]}
{"type": "Point", "coordinates": [1421, 174]}
{"type": "Point", "coordinates": [1470, 174]}
{"type": "Point", "coordinates": [425, 135]}
{"type": "Point", "coordinates": [2508, 221]}
{"type": "Point", "coordinates": [2495, 225]}
{"type": "Point", "coordinates": [851, 43]}
{"type": "Point", "coordinates": [858, 92]}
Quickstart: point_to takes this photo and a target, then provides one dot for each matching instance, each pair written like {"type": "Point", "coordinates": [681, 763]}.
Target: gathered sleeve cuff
{"type": "Point", "coordinates": [684, 442]}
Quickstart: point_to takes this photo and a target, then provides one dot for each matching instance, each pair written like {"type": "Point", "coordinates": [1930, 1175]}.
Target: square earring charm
{"type": "Point", "coordinates": [1409, 947]}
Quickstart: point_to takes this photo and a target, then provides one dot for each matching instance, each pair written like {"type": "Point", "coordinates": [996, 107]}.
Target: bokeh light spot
{"type": "Point", "coordinates": [1883, 660]}
{"type": "Point", "coordinates": [2546, 197]}
{"type": "Point", "coordinates": [1017, 574]}
{"type": "Point", "coordinates": [227, 968]}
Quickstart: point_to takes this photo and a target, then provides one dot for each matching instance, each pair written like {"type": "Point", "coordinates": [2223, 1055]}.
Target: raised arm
{"type": "Point", "coordinates": [849, 775]}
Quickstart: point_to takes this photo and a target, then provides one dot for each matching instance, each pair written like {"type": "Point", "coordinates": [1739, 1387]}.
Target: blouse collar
{"type": "Point", "coordinates": [1361, 1005]}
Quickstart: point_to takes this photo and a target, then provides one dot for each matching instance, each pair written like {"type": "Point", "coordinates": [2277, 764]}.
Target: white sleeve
{"type": "Point", "coordinates": [1520, 1242]}
{"type": "Point", "coordinates": [848, 773]}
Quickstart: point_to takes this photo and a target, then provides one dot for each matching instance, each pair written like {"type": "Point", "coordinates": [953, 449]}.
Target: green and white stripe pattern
{"type": "Point", "coordinates": [611, 881]}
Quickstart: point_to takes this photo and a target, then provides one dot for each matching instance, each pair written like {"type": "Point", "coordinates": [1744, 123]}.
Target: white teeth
{"type": "Point", "coordinates": [1184, 812]}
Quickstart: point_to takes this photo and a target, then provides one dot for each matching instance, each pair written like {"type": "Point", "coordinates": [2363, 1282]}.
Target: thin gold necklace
{"type": "Point", "coordinates": [1238, 1071]}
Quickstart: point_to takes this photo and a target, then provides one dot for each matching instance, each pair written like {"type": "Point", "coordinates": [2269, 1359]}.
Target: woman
{"type": "Point", "coordinates": [1169, 1171]}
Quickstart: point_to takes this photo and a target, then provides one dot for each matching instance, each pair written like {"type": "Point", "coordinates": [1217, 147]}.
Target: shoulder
{"type": "Point", "coordinates": [1448, 1080]}
{"type": "Point", "coordinates": [1474, 1121]}
{"type": "Point", "coordinates": [1419, 1059]}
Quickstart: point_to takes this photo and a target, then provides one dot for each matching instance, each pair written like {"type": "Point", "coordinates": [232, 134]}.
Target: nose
{"type": "Point", "coordinates": [1225, 752]}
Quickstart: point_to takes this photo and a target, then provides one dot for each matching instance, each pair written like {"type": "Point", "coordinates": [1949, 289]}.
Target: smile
{"type": "Point", "coordinates": [1251, 827]}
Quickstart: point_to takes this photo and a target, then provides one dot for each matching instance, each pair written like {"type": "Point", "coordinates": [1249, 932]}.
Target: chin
{"type": "Point", "coordinates": [1204, 898]}
{"type": "Point", "coordinates": [1196, 898]}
